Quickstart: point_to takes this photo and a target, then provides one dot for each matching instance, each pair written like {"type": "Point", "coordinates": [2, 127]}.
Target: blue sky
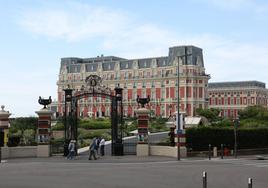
{"type": "Point", "coordinates": [35, 34]}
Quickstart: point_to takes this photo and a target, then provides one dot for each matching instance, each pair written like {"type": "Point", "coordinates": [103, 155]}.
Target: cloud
{"type": "Point", "coordinates": [74, 24]}
{"type": "Point", "coordinates": [123, 35]}
{"type": "Point", "coordinates": [229, 60]}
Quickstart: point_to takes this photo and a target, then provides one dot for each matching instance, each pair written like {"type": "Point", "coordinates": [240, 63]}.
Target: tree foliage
{"type": "Point", "coordinates": [254, 112]}
{"type": "Point", "coordinates": [23, 123]}
{"type": "Point", "coordinates": [254, 116]}
{"type": "Point", "coordinates": [22, 130]}
{"type": "Point", "coordinates": [212, 114]}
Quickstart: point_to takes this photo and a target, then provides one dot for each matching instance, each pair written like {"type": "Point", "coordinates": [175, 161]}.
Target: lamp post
{"type": "Point", "coordinates": [119, 98]}
{"type": "Point", "coordinates": [68, 98]}
{"type": "Point", "coordinates": [117, 141]}
{"type": "Point", "coordinates": [185, 55]}
{"type": "Point", "coordinates": [236, 124]}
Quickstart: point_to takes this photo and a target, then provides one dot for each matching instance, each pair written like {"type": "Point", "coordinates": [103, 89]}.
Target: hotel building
{"type": "Point", "coordinates": [156, 77]}
{"type": "Point", "coordinates": [230, 97]}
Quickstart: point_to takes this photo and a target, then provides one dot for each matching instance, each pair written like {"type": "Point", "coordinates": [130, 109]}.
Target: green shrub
{"type": "Point", "coordinates": [58, 127]}
{"type": "Point", "coordinates": [57, 141]}
{"type": "Point", "coordinates": [89, 134]}
{"type": "Point", "coordinates": [158, 125]}
{"type": "Point", "coordinates": [95, 123]}
{"type": "Point", "coordinates": [13, 141]}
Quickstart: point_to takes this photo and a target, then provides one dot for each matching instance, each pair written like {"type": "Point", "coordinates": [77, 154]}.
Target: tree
{"type": "Point", "coordinates": [254, 116]}
{"type": "Point", "coordinates": [212, 114]}
{"type": "Point", "coordinates": [28, 136]}
{"type": "Point", "coordinates": [254, 112]}
{"type": "Point", "coordinates": [24, 128]}
{"type": "Point", "coordinates": [23, 123]}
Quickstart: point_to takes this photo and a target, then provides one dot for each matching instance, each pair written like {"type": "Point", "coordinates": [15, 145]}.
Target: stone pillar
{"type": "Point", "coordinates": [43, 132]}
{"type": "Point", "coordinates": [143, 125]}
{"type": "Point", "coordinates": [4, 127]}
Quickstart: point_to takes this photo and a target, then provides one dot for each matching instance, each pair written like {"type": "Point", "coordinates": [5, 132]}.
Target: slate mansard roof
{"type": "Point", "coordinates": [243, 84]}
{"type": "Point", "coordinates": [108, 63]}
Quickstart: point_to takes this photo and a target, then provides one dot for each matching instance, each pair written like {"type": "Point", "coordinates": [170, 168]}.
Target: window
{"type": "Point", "coordinates": [153, 93]}
{"type": "Point", "coordinates": [143, 84]}
{"type": "Point", "coordinates": [245, 101]}
{"type": "Point", "coordinates": [134, 96]}
{"type": "Point", "coordinates": [143, 93]}
{"type": "Point", "coordinates": [238, 101]}
{"type": "Point", "coordinates": [153, 84]}
{"type": "Point", "coordinates": [252, 100]}
{"type": "Point", "coordinates": [163, 93]}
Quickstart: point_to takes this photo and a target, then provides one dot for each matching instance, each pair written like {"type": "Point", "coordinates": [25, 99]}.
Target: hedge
{"type": "Point", "coordinates": [95, 124]}
{"type": "Point", "coordinates": [85, 134]}
{"type": "Point", "coordinates": [198, 139]}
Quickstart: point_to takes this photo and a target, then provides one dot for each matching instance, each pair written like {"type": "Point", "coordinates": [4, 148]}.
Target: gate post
{"type": "Point", "coordinates": [43, 132]}
{"type": "Point", "coordinates": [4, 126]}
{"type": "Point", "coordinates": [143, 122]}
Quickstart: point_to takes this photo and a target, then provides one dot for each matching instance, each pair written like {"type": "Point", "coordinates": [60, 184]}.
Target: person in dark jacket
{"type": "Point", "coordinates": [92, 149]}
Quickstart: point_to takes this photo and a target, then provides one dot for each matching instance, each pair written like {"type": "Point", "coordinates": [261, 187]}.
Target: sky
{"type": "Point", "coordinates": [36, 34]}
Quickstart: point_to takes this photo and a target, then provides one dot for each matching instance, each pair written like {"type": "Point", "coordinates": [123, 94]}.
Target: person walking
{"type": "Point", "coordinates": [97, 146]}
{"type": "Point", "coordinates": [92, 149]}
{"type": "Point", "coordinates": [102, 144]}
{"type": "Point", "coordinates": [71, 149]}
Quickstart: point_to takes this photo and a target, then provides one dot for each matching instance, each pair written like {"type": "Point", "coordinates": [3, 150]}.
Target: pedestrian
{"type": "Point", "coordinates": [92, 149]}
{"type": "Point", "coordinates": [71, 149]}
{"type": "Point", "coordinates": [97, 145]}
{"type": "Point", "coordinates": [102, 144]}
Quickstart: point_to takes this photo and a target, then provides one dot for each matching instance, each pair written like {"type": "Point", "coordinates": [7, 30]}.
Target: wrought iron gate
{"type": "Point", "coordinates": [94, 88]}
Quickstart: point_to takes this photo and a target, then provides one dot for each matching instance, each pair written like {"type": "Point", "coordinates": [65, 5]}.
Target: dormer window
{"type": "Point", "coordinates": [143, 85]}
{"type": "Point", "coordinates": [109, 66]}
{"type": "Point", "coordinates": [127, 66]}
{"type": "Point", "coordinates": [145, 64]}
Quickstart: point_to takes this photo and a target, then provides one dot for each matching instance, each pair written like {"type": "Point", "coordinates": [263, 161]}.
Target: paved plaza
{"type": "Point", "coordinates": [131, 171]}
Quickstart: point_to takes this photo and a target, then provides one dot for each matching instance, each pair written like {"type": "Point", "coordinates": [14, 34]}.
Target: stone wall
{"type": "Point", "coordinates": [58, 134]}
{"type": "Point", "coordinates": [167, 151]}
{"type": "Point", "coordinates": [19, 152]}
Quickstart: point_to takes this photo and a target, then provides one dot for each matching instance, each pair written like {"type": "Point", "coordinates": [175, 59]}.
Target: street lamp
{"type": "Point", "coordinates": [185, 55]}
{"type": "Point", "coordinates": [236, 124]}
{"type": "Point", "coordinates": [68, 98]}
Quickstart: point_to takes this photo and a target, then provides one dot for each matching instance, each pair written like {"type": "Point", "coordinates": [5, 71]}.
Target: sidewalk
{"type": "Point", "coordinates": [83, 158]}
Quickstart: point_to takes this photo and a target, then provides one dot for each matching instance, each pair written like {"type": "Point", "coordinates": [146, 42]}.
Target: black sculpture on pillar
{"type": "Point", "coordinates": [143, 101]}
{"type": "Point", "coordinates": [44, 102]}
